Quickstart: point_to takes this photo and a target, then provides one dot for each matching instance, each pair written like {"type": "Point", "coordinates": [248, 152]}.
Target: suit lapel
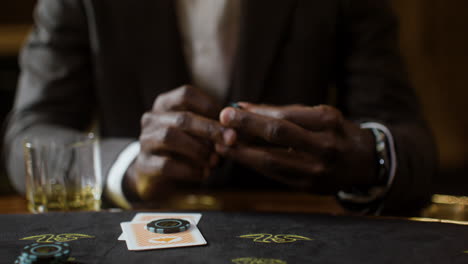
{"type": "Point", "coordinates": [262, 25]}
{"type": "Point", "coordinates": [163, 63]}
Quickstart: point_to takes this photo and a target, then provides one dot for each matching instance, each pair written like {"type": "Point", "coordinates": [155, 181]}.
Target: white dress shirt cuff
{"type": "Point", "coordinates": [116, 174]}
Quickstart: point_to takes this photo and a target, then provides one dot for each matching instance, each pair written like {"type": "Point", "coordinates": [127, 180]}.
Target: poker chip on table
{"type": "Point", "coordinates": [54, 253]}
{"type": "Point", "coordinates": [168, 225]}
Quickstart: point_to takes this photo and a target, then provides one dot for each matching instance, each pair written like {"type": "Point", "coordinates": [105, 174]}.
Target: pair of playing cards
{"type": "Point", "coordinates": [138, 237]}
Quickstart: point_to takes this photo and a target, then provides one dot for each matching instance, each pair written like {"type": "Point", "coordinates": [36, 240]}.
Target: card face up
{"type": "Point", "coordinates": [139, 238]}
{"type": "Point", "coordinates": [148, 217]}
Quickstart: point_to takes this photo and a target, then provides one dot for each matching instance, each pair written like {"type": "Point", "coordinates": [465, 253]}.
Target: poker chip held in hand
{"type": "Point", "coordinates": [44, 253]}
{"type": "Point", "coordinates": [168, 225]}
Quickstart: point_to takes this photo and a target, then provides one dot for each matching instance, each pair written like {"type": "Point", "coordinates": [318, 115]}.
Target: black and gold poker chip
{"type": "Point", "coordinates": [168, 225]}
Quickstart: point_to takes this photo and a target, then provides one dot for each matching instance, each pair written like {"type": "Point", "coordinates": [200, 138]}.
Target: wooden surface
{"type": "Point", "coordinates": [229, 201]}
{"type": "Point", "coordinates": [12, 38]}
{"type": "Point", "coordinates": [13, 204]}
{"type": "Point", "coordinates": [443, 207]}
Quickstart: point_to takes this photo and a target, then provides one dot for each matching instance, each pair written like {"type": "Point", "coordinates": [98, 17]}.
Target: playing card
{"type": "Point", "coordinates": [141, 217]}
{"type": "Point", "coordinates": [138, 238]}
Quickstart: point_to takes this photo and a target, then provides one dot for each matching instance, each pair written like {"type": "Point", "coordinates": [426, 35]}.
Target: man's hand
{"type": "Point", "coordinates": [308, 148]}
{"type": "Point", "coordinates": [177, 143]}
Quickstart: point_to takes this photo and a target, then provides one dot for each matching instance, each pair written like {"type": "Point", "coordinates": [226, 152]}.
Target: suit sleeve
{"type": "Point", "coordinates": [56, 93]}
{"type": "Point", "coordinates": [374, 86]}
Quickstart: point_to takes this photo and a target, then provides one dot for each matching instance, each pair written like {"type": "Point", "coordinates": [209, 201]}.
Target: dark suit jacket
{"type": "Point", "coordinates": [109, 59]}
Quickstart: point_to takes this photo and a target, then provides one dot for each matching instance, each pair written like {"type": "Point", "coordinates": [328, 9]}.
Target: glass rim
{"type": "Point", "coordinates": [80, 140]}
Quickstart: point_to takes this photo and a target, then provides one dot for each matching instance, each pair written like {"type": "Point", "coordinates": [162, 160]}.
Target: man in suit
{"type": "Point", "coordinates": [326, 105]}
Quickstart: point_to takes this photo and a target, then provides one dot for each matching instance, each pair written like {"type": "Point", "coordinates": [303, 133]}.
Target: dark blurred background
{"type": "Point", "coordinates": [434, 40]}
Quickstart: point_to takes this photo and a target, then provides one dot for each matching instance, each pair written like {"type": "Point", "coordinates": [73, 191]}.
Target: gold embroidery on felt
{"type": "Point", "coordinates": [49, 238]}
{"type": "Point", "coordinates": [268, 238]}
{"type": "Point", "coordinates": [258, 261]}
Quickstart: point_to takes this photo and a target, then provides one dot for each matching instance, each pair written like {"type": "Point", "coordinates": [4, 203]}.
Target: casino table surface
{"type": "Point", "coordinates": [250, 238]}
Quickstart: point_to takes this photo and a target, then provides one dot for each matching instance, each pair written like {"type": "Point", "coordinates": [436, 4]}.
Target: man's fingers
{"type": "Point", "coordinates": [187, 98]}
{"type": "Point", "coordinates": [190, 123]}
{"type": "Point", "coordinates": [292, 168]}
{"type": "Point", "coordinates": [315, 118]}
{"type": "Point", "coordinates": [277, 131]}
{"type": "Point", "coordinates": [173, 141]}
